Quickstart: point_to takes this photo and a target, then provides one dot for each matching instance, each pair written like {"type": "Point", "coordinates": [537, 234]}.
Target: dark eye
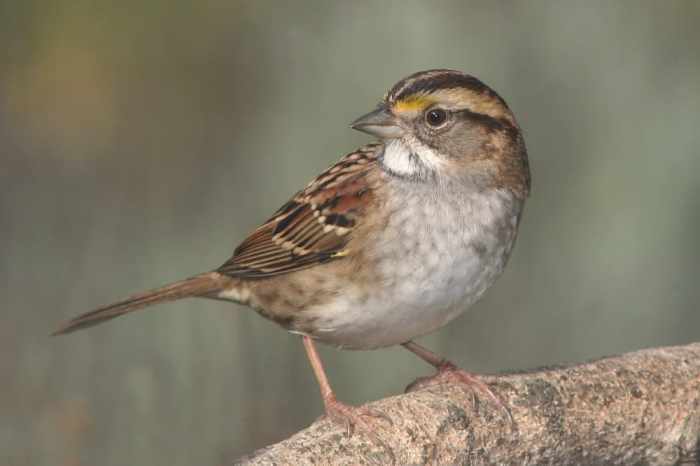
{"type": "Point", "coordinates": [436, 117]}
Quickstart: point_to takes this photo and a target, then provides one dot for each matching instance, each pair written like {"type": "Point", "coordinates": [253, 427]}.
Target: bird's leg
{"type": "Point", "coordinates": [351, 416]}
{"type": "Point", "coordinates": [447, 371]}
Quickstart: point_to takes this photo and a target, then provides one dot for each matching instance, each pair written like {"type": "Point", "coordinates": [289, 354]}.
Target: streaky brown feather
{"type": "Point", "coordinates": [314, 226]}
{"type": "Point", "coordinates": [199, 285]}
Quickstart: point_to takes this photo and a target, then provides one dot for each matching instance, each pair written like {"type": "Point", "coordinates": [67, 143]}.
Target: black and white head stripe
{"type": "Point", "coordinates": [426, 82]}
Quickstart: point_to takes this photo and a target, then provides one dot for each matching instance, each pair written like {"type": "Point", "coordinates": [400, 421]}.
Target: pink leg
{"type": "Point", "coordinates": [336, 410]}
{"type": "Point", "coordinates": [449, 372]}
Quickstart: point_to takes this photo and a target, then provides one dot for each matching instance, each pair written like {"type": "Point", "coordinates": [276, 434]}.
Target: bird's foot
{"type": "Point", "coordinates": [448, 373]}
{"type": "Point", "coordinates": [359, 419]}
{"type": "Point", "coordinates": [353, 417]}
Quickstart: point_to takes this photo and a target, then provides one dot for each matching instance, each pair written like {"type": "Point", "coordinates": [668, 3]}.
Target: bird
{"type": "Point", "coordinates": [394, 241]}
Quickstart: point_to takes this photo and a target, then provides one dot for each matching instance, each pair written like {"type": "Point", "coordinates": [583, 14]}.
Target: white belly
{"type": "Point", "coordinates": [429, 275]}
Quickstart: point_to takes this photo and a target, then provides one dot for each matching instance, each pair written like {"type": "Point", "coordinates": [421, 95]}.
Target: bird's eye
{"type": "Point", "coordinates": [436, 117]}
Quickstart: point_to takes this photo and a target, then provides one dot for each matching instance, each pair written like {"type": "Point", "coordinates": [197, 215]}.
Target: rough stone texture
{"type": "Point", "coordinates": [640, 408]}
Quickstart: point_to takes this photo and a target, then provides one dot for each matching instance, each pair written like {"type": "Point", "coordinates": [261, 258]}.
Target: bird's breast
{"type": "Point", "coordinates": [436, 255]}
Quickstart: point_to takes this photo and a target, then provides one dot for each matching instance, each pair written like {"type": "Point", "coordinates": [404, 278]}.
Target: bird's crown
{"type": "Point", "coordinates": [449, 88]}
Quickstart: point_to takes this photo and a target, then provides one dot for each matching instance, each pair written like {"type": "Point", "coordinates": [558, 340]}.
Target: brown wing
{"type": "Point", "coordinates": [314, 226]}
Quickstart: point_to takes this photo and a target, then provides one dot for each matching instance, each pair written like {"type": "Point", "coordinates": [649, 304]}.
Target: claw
{"type": "Point", "coordinates": [354, 416]}
{"type": "Point", "coordinates": [447, 372]}
{"type": "Point", "coordinates": [358, 418]}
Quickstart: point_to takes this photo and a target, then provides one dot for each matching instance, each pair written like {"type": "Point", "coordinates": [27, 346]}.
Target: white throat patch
{"type": "Point", "coordinates": [410, 157]}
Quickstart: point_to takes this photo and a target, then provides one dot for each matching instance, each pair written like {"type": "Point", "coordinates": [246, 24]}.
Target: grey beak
{"type": "Point", "coordinates": [380, 123]}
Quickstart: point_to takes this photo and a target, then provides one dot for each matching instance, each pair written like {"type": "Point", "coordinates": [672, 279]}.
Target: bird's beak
{"type": "Point", "coordinates": [380, 123]}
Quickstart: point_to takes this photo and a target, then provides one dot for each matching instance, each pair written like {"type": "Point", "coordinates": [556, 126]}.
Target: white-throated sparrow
{"type": "Point", "coordinates": [390, 243]}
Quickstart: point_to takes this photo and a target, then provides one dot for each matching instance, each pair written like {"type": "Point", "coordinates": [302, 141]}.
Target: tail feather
{"type": "Point", "coordinates": [199, 285]}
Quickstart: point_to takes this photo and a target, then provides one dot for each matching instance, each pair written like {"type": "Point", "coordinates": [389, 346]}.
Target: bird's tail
{"type": "Point", "coordinates": [197, 286]}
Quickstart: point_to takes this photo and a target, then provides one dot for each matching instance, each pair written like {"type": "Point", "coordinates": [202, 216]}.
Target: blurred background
{"type": "Point", "coordinates": [141, 141]}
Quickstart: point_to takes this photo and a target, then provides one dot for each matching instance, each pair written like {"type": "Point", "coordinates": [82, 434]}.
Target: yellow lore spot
{"type": "Point", "coordinates": [416, 103]}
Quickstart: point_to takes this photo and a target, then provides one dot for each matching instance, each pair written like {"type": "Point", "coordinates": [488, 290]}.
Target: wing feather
{"type": "Point", "coordinates": [314, 226]}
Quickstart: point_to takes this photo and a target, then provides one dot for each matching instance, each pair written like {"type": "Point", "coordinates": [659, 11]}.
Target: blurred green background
{"type": "Point", "coordinates": [141, 141]}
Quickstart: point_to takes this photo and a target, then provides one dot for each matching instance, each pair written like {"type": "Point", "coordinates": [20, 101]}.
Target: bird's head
{"type": "Point", "coordinates": [444, 124]}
